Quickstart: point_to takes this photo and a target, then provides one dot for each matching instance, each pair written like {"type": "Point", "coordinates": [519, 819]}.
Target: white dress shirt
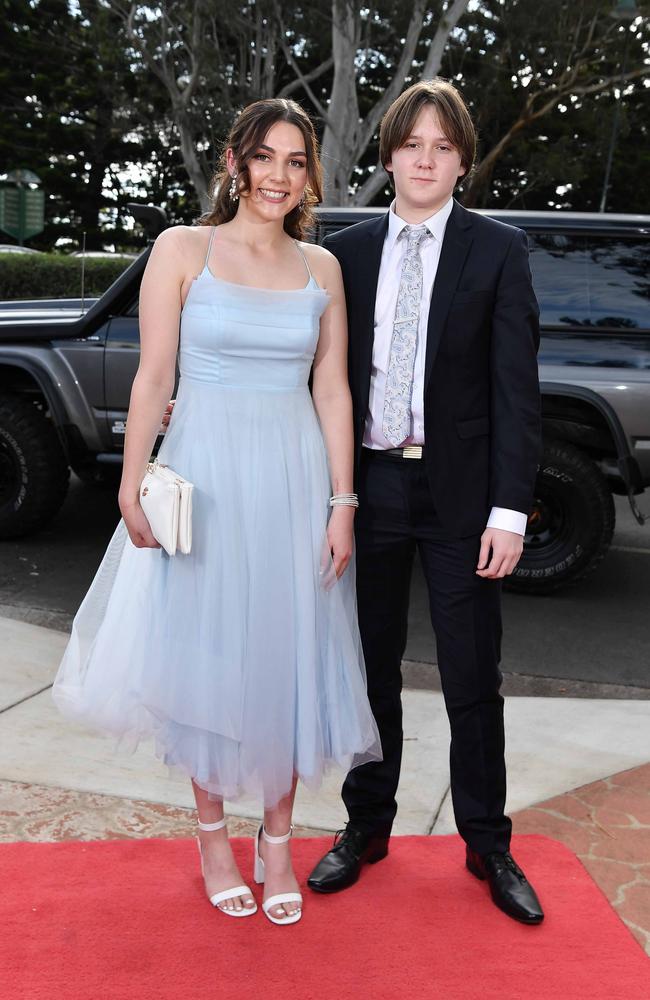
{"type": "Point", "coordinates": [390, 271]}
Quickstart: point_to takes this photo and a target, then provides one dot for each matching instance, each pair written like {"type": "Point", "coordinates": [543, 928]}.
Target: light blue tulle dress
{"type": "Point", "coordinates": [242, 659]}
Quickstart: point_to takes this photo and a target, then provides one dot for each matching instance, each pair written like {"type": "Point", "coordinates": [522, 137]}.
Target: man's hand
{"type": "Point", "coordinates": [506, 547]}
{"type": "Point", "coordinates": [169, 409]}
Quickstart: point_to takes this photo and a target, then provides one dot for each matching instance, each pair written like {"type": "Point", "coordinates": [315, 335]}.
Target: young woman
{"type": "Point", "coordinates": [241, 659]}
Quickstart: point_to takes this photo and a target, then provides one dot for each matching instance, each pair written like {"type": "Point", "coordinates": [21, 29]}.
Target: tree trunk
{"type": "Point", "coordinates": [346, 139]}
{"type": "Point", "coordinates": [191, 160]}
{"type": "Point", "coordinates": [338, 145]}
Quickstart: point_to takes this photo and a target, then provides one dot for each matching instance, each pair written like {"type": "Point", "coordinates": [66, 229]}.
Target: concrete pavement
{"type": "Point", "coordinates": [553, 745]}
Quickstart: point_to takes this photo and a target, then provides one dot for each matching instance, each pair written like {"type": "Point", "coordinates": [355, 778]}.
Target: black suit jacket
{"type": "Point", "coordinates": [481, 398]}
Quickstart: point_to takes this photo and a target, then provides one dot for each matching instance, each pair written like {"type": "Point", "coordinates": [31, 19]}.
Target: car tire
{"type": "Point", "coordinates": [571, 523]}
{"type": "Point", "coordinates": [34, 473]}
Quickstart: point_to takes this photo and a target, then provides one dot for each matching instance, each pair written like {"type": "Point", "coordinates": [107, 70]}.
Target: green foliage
{"type": "Point", "coordinates": [86, 112]}
{"type": "Point", "coordinates": [81, 113]}
{"type": "Point", "coordinates": [510, 49]}
{"type": "Point", "coordinates": [51, 275]}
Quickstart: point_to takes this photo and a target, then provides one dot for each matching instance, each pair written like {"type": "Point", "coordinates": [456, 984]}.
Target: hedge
{"type": "Point", "coordinates": [53, 275]}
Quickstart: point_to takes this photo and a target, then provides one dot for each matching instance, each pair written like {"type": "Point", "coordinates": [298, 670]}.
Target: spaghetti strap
{"type": "Point", "coordinates": [207, 256]}
{"type": "Point", "coordinates": [301, 252]}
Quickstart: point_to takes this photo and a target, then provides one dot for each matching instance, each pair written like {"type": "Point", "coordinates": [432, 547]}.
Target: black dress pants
{"type": "Point", "coordinates": [395, 516]}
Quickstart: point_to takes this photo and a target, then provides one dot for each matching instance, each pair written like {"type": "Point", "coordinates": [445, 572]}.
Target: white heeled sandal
{"type": "Point", "coordinates": [282, 897]}
{"type": "Point", "coordinates": [239, 890]}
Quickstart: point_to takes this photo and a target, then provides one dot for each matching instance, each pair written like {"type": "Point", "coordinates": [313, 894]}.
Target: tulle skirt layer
{"type": "Point", "coordinates": [243, 659]}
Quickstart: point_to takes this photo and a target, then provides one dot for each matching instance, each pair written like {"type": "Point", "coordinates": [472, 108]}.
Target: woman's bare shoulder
{"type": "Point", "coordinates": [321, 261]}
{"type": "Point", "coordinates": [183, 239]}
{"type": "Point", "coordinates": [314, 251]}
{"type": "Point", "coordinates": [181, 250]}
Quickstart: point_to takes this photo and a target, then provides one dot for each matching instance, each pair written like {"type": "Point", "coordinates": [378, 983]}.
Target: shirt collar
{"type": "Point", "coordinates": [436, 223]}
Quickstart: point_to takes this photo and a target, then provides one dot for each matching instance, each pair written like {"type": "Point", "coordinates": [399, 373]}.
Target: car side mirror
{"type": "Point", "coordinates": [152, 219]}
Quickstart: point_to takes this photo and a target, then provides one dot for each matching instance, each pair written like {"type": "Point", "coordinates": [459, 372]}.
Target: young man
{"type": "Point", "coordinates": [443, 335]}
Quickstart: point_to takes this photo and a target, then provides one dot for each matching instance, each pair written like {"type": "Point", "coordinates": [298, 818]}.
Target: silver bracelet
{"type": "Point", "coordinates": [344, 500]}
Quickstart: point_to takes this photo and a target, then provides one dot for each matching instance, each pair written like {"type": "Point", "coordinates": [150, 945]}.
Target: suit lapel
{"type": "Point", "coordinates": [455, 246]}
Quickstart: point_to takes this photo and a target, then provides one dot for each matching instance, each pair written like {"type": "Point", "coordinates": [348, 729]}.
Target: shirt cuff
{"type": "Point", "coordinates": [508, 520]}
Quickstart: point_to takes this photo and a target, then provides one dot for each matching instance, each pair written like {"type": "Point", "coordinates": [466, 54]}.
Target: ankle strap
{"type": "Point", "coordinates": [219, 825]}
{"type": "Point", "coordinates": [277, 840]}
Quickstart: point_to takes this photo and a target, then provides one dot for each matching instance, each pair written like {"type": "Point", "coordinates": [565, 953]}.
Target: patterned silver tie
{"type": "Point", "coordinates": [396, 422]}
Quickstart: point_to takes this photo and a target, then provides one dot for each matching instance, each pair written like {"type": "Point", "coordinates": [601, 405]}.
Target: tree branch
{"type": "Point", "coordinates": [394, 89]}
{"type": "Point", "coordinates": [313, 74]}
{"type": "Point", "coordinates": [446, 25]}
{"type": "Point", "coordinates": [160, 71]}
{"type": "Point", "coordinates": [371, 186]}
{"type": "Point", "coordinates": [481, 175]}
{"type": "Point", "coordinates": [303, 78]}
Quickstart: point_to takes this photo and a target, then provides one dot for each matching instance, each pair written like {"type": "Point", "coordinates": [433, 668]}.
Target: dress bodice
{"type": "Point", "coordinates": [238, 336]}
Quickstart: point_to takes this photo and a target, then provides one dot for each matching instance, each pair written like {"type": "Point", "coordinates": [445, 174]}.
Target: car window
{"type": "Point", "coordinates": [591, 281]}
{"type": "Point", "coordinates": [560, 277]}
{"type": "Point", "coordinates": [619, 282]}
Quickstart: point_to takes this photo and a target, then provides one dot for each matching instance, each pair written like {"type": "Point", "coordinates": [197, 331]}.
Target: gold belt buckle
{"type": "Point", "coordinates": [412, 451]}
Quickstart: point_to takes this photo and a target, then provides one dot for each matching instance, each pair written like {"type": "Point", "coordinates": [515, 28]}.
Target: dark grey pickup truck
{"type": "Point", "coordinates": [66, 373]}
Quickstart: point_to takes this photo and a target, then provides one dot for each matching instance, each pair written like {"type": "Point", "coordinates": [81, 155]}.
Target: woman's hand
{"type": "Point", "coordinates": [340, 536]}
{"type": "Point", "coordinates": [137, 525]}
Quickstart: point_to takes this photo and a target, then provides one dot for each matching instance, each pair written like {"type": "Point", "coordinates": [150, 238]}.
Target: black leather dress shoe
{"type": "Point", "coordinates": [511, 891]}
{"type": "Point", "coordinates": [342, 865]}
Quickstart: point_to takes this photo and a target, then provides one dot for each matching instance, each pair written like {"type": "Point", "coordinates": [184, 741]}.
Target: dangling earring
{"type": "Point", "coordinates": [234, 193]}
{"type": "Point", "coordinates": [301, 203]}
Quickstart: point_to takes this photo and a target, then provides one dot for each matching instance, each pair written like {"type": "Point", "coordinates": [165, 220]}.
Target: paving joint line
{"type": "Point", "coordinates": [27, 697]}
{"type": "Point", "coordinates": [438, 811]}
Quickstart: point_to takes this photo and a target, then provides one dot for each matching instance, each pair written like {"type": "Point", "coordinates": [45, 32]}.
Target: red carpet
{"type": "Point", "coordinates": [127, 920]}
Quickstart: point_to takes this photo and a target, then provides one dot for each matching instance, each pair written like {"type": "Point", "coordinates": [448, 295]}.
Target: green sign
{"type": "Point", "coordinates": [22, 212]}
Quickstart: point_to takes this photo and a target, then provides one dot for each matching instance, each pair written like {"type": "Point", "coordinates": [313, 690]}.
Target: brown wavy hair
{"type": "Point", "coordinates": [246, 136]}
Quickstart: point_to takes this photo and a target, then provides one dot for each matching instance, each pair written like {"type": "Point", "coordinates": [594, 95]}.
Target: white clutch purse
{"type": "Point", "coordinates": [166, 499]}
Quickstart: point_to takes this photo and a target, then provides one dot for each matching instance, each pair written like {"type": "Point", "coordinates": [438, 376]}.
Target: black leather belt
{"type": "Point", "coordinates": [411, 451]}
